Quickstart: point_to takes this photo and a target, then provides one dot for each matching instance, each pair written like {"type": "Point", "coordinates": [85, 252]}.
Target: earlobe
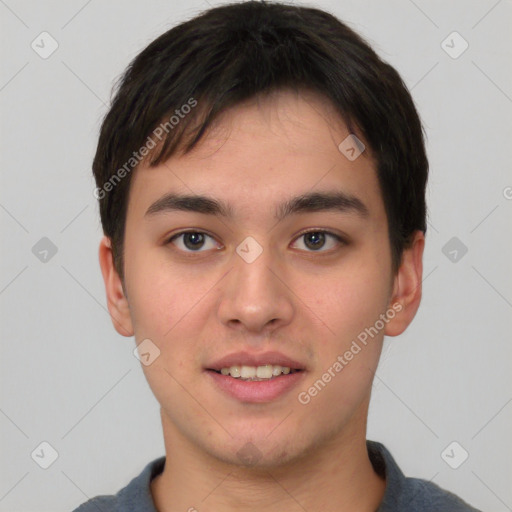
{"type": "Point", "coordinates": [116, 300]}
{"type": "Point", "coordinates": [407, 288]}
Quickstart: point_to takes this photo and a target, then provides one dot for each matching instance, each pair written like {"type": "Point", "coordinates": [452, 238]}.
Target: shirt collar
{"type": "Point", "coordinates": [136, 496]}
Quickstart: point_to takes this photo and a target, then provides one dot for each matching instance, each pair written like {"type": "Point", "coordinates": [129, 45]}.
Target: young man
{"type": "Point", "coordinates": [261, 178]}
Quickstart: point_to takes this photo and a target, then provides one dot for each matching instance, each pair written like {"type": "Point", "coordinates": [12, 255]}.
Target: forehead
{"type": "Point", "coordinates": [263, 151]}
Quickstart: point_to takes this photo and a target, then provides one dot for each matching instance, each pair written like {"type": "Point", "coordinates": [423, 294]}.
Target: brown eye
{"type": "Point", "coordinates": [315, 240]}
{"type": "Point", "coordinates": [192, 241]}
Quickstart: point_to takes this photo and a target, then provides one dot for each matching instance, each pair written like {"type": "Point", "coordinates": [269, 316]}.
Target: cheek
{"type": "Point", "coordinates": [167, 304]}
{"type": "Point", "coordinates": [153, 306]}
{"type": "Point", "coordinates": [353, 297]}
{"type": "Point", "coordinates": [350, 303]}
{"type": "Point", "coordinates": [155, 295]}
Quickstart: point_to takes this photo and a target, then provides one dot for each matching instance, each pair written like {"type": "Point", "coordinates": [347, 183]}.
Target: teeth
{"type": "Point", "coordinates": [276, 370]}
{"type": "Point", "coordinates": [235, 371]}
{"type": "Point", "coordinates": [248, 372]}
{"type": "Point", "coordinates": [263, 372]}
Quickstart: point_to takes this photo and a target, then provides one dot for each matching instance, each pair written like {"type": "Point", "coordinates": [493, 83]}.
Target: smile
{"type": "Point", "coordinates": [255, 373]}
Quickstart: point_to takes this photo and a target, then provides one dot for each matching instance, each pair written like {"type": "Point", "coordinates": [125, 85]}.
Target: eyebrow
{"type": "Point", "coordinates": [311, 202]}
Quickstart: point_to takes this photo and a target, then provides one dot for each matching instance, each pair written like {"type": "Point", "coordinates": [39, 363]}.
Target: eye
{"type": "Point", "coordinates": [192, 241]}
{"type": "Point", "coordinates": [315, 239]}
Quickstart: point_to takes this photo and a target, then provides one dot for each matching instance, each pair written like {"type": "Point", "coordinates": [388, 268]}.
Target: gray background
{"type": "Point", "coordinates": [67, 378]}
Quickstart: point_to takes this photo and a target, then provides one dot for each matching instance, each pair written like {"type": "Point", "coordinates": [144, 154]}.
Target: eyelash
{"type": "Point", "coordinates": [337, 237]}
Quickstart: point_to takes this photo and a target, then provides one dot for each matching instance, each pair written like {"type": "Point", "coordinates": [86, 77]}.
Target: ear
{"type": "Point", "coordinates": [116, 301]}
{"type": "Point", "coordinates": [406, 296]}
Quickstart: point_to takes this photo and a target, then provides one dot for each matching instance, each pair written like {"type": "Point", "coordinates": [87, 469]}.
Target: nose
{"type": "Point", "coordinates": [256, 297]}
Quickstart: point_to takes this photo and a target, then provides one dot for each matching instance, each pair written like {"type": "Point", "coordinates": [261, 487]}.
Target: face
{"type": "Point", "coordinates": [295, 285]}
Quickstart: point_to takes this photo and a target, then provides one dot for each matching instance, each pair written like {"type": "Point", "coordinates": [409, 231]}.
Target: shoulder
{"type": "Point", "coordinates": [421, 495]}
{"type": "Point", "coordinates": [103, 503]}
{"type": "Point", "coordinates": [135, 496]}
{"type": "Point", "coordinates": [404, 494]}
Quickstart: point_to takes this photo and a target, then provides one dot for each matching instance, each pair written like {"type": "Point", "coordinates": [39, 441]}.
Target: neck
{"type": "Point", "coordinates": [337, 475]}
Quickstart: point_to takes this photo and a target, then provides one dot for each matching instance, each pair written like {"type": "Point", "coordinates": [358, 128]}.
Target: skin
{"type": "Point", "coordinates": [309, 304]}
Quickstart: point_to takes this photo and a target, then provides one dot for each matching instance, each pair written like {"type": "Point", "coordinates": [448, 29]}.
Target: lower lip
{"type": "Point", "coordinates": [258, 391]}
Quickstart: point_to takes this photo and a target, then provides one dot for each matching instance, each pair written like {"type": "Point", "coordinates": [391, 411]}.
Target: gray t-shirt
{"type": "Point", "coordinates": [402, 494]}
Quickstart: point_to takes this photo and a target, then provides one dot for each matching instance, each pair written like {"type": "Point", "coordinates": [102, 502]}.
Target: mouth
{"type": "Point", "coordinates": [260, 373]}
{"type": "Point", "coordinates": [254, 378]}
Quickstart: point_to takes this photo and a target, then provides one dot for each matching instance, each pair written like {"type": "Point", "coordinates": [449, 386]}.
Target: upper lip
{"type": "Point", "coordinates": [247, 359]}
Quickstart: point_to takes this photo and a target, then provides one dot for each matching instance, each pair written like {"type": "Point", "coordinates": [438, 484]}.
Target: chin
{"type": "Point", "coordinates": [258, 452]}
